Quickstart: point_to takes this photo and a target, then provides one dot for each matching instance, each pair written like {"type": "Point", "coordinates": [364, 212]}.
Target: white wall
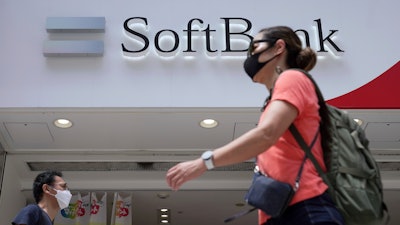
{"type": "Point", "coordinates": [365, 32]}
{"type": "Point", "coordinates": [11, 198]}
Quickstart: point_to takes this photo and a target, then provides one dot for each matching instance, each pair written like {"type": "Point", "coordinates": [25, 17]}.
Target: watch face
{"type": "Point", "coordinates": [207, 155]}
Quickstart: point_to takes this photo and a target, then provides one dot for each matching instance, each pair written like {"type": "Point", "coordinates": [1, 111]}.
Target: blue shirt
{"type": "Point", "coordinates": [32, 215]}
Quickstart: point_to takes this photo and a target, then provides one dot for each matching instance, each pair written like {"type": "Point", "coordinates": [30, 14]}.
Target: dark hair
{"type": "Point", "coordinates": [46, 177]}
{"type": "Point", "coordinates": [297, 56]}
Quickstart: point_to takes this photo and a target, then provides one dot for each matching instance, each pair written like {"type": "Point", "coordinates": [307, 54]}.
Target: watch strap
{"type": "Point", "coordinates": [209, 163]}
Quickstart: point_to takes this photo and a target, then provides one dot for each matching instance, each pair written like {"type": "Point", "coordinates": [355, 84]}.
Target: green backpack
{"type": "Point", "coordinates": [352, 175]}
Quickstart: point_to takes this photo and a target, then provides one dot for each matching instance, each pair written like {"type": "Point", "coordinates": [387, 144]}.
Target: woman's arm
{"type": "Point", "coordinates": [279, 116]}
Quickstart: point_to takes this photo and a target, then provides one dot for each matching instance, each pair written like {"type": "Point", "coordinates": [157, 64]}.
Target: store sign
{"type": "Point", "coordinates": [233, 38]}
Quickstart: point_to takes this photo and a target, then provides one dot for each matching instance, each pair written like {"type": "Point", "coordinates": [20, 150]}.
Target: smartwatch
{"type": "Point", "coordinates": [208, 159]}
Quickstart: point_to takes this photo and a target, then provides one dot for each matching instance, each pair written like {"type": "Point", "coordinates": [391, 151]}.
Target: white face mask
{"type": "Point", "coordinates": [63, 198]}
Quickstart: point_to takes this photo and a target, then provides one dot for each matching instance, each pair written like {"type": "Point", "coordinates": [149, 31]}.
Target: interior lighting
{"type": "Point", "coordinates": [162, 195]}
{"type": "Point", "coordinates": [208, 123]}
{"type": "Point", "coordinates": [63, 123]}
{"type": "Point", "coordinates": [164, 216]}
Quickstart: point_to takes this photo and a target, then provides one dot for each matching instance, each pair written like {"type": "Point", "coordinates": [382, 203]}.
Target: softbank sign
{"type": "Point", "coordinates": [233, 34]}
{"type": "Point", "coordinates": [230, 38]}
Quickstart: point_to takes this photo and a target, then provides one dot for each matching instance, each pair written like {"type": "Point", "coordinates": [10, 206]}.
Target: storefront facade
{"type": "Point", "coordinates": [175, 61]}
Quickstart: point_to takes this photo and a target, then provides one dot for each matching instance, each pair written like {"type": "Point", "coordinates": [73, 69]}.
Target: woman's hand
{"type": "Point", "coordinates": [185, 171]}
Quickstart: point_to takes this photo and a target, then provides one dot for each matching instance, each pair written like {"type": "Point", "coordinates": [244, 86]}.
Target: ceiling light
{"type": "Point", "coordinates": [164, 216]}
{"type": "Point", "coordinates": [208, 123]}
{"type": "Point", "coordinates": [63, 123]}
{"type": "Point", "coordinates": [162, 195]}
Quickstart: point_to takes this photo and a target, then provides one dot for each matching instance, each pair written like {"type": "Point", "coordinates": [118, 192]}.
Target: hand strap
{"type": "Point", "coordinates": [237, 215]}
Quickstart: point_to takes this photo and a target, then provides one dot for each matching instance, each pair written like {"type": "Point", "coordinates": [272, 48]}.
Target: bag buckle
{"type": "Point", "coordinates": [256, 169]}
{"type": "Point", "coordinates": [296, 186]}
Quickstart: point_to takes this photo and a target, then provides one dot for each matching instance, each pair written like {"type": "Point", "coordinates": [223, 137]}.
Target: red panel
{"type": "Point", "coordinates": [382, 92]}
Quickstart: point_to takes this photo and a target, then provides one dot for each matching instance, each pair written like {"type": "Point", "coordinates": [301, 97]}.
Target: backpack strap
{"type": "Point", "coordinates": [305, 157]}
{"type": "Point", "coordinates": [300, 140]}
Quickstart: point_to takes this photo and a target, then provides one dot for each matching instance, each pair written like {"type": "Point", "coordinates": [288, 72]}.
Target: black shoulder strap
{"type": "Point", "coordinates": [300, 140]}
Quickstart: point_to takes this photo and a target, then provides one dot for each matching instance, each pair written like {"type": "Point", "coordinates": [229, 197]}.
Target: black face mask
{"type": "Point", "coordinates": [252, 66]}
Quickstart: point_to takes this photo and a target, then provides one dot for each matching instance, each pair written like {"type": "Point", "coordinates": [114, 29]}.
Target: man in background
{"type": "Point", "coordinates": [51, 195]}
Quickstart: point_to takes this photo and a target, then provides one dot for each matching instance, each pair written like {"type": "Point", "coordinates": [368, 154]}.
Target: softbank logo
{"type": "Point", "coordinates": [70, 36]}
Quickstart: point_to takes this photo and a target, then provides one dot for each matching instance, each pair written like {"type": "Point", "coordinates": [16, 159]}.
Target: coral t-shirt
{"type": "Point", "coordinates": [282, 161]}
